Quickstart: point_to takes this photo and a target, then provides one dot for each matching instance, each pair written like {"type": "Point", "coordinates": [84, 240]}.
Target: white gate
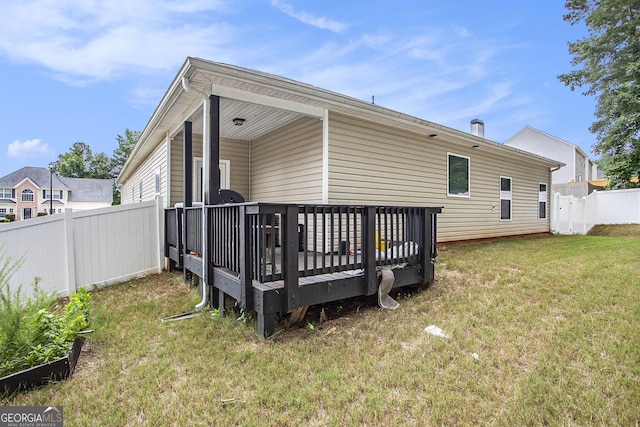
{"type": "Point", "coordinates": [573, 215]}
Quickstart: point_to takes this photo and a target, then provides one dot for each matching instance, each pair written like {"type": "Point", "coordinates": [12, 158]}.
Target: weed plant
{"type": "Point", "coordinates": [31, 333]}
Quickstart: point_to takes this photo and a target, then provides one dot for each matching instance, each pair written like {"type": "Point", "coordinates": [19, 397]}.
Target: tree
{"type": "Point", "coordinates": [79, 162]}
{"type": "Point", "coordinates": [120, 156]}
{"type": "Point", "coordinates": [609, 61]}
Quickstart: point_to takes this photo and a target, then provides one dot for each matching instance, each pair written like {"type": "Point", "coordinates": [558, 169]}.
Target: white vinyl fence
{"type": "Point", "coordinates": [91, 248]}
{"type": "Point", "coordinates": [573, 215]}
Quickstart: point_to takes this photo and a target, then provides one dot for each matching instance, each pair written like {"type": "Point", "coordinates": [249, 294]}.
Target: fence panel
{"type": "Point", "coordinates": [41, 242]}
{"type": "Point", "coordinates": [574, 215]}
{"type": "Point", "coordinates": [89, 248]}
{"type": "Point", "coordinates": [116, 243]}
{"type": "Point", "coordinates": [618, 206]}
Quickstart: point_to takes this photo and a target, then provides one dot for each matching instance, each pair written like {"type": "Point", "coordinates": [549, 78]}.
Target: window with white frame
{"type": "Point", "coordinates": [505, 198]}
{"type": "Point", "coordinates": [57, 194]}
{"type": "Point", "coordinates": [27, 195]}
{"type": "Point", "coordinates": [6, 193]}
{"type": "Point", "coordinates": [3, 212]}
{"type": "Point", "coordinates": [458, 171]}
{"type": "Point", "coordinates": [542, 201]}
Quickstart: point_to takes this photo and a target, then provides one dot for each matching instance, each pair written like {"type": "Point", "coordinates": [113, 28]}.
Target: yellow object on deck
{"type": "Point", "coordinates": [381, 244]}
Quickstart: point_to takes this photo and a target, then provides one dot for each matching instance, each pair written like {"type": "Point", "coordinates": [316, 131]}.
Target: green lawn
{"type": "Point", "coordinates": [554, 323]}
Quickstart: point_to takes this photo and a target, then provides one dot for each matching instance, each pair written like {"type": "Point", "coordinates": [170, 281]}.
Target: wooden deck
{"type": "Point", "coordinates": [277, 258]}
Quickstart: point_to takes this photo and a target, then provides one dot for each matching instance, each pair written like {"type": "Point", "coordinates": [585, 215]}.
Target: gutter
{"type": "Point", "coordinates": [205, 179]}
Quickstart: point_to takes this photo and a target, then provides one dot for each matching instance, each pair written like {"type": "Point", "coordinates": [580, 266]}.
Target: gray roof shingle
{"type": "Point", "coordinates": [80, 189]}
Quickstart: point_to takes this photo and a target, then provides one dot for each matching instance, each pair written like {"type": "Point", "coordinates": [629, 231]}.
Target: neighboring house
{"type": "Point", "coordinates": [31, 190]}
{"type": "Point", "coordinates": [280, 140]}
{"type": "Point", "coordinates": [578, 165]}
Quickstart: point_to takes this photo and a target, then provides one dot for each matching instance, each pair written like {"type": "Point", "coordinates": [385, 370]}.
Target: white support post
{"type": "Point", "coordinates": [325, 157]}
{"type": "Point", "coordinates": [553, 204]}
{"type": "Point", "coordinates": [72, 286]}
{"type": "Point", "coordinates": [160, 228]}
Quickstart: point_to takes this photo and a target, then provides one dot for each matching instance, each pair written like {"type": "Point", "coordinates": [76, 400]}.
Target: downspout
{"type": "Point", "coordinates": [573, 161]}
{"type": "Point", "coordinates": [553, 220]}
{"type": "Point", "coordinates": [205, 183]}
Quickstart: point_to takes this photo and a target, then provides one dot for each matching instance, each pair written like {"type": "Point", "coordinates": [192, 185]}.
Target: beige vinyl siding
{"type": "Point", "coordinates": [237, 152]}
{"type": "Point", "coordinates": [175, 194]}
{"type": "Point", "coordinates": [146, 173]}
{"type": "Point", "coordinates": [286, 165]}
{"type": "Point", "coordinates": [374, 164]}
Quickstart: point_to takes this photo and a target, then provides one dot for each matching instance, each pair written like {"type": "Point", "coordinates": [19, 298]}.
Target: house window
{"type": "Point", "coordinates": [505, 198]}
{"type": "Point", "coordinates": [57, 194]}
{"type": "Point", "coordinates": [27, 196]}
{"type": "Point", "coordinates": [542, 201]}
{"type": "Point", "coordinates": [458, 168]}
{"type": "Point", "coordinates": [6, 193]}
{"type": "Point", "coordinates": [3, 212]}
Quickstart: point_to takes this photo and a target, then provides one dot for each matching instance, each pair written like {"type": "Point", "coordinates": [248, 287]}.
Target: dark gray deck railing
{"type": "Point", "coordinates": [172, 229]}
{"type": "Point", "coordinates": [284, 242]}
{"type": "Point", "coordinates": [193, 230]}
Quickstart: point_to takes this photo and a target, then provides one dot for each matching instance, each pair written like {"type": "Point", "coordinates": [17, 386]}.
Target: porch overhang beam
{"type": "Point", "coordinates": [267, 101]}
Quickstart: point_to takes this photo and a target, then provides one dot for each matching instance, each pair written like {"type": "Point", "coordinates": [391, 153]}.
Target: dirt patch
{"type": "Point", "coordinates": [622, 230]}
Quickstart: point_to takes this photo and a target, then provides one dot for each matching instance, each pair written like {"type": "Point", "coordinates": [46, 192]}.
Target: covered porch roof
{"type": "Point", "coordinates": [267, 102]}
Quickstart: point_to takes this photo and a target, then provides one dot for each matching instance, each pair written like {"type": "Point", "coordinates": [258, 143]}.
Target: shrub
{"type": "Point", "coordinates": [30, 333]}
{"type": "Point", "coordinates": [42, 214]}
{"type": "Point", "coordinates": [10, 217]}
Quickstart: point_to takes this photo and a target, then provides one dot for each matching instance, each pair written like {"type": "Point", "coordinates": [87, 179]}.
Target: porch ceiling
{"type": "Point", "coordinates": [259, 120]}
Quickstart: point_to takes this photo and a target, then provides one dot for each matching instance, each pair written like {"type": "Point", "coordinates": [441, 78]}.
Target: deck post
{"type": "Point", "coordinates": [172, 264]}
{"type": "Point", "coordinates": [425, 240]}
{"type": "Point", "coordinates": [266, 324]}
{"type": "Point", "coordinates": [213, 186]}
{"type": "Point", "coordinates": [246, 282]}
{"type": "Point", "coordinates": [187, 187]}
{"type": "Point", "coordinates": [290, 256]}
{"type": "Point", "coordinates": [369, 247]}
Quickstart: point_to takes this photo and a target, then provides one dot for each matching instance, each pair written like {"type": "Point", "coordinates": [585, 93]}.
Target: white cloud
{"type": "Point", "coordinates": [84, 41]}
{"type": "Point", "coordinates": [28, 149]}
{"type": "Point", "coordinates": [144, 96]}
{"type": "Point", "coordinates": [307, 18]}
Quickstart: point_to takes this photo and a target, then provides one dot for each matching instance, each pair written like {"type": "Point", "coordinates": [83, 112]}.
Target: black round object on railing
{"type": "Point", "coordinates": [229, 196]}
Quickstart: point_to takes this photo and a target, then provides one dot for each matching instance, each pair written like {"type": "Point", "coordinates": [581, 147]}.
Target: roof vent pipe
{"type": "Point", "coordinates": [477, 128]}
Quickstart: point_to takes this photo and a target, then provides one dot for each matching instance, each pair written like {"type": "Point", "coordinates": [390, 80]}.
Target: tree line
{"type": "Point", "coordinates": [81, 162]}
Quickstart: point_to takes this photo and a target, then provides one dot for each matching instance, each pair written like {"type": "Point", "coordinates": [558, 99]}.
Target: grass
{"type": "Point", "coordinates": [623, 230]}
{"type": "Point", "coordinates": [553, 322]}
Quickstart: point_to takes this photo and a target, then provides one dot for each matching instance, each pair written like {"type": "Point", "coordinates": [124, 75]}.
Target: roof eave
{"type": "Point", "coordinates": [161, 110]}
{"type": "Point", "coordinates": [334, 101]}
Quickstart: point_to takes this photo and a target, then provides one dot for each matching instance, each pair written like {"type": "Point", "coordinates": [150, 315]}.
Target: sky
{"type": "Point", "coordinates": [87, 70]}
